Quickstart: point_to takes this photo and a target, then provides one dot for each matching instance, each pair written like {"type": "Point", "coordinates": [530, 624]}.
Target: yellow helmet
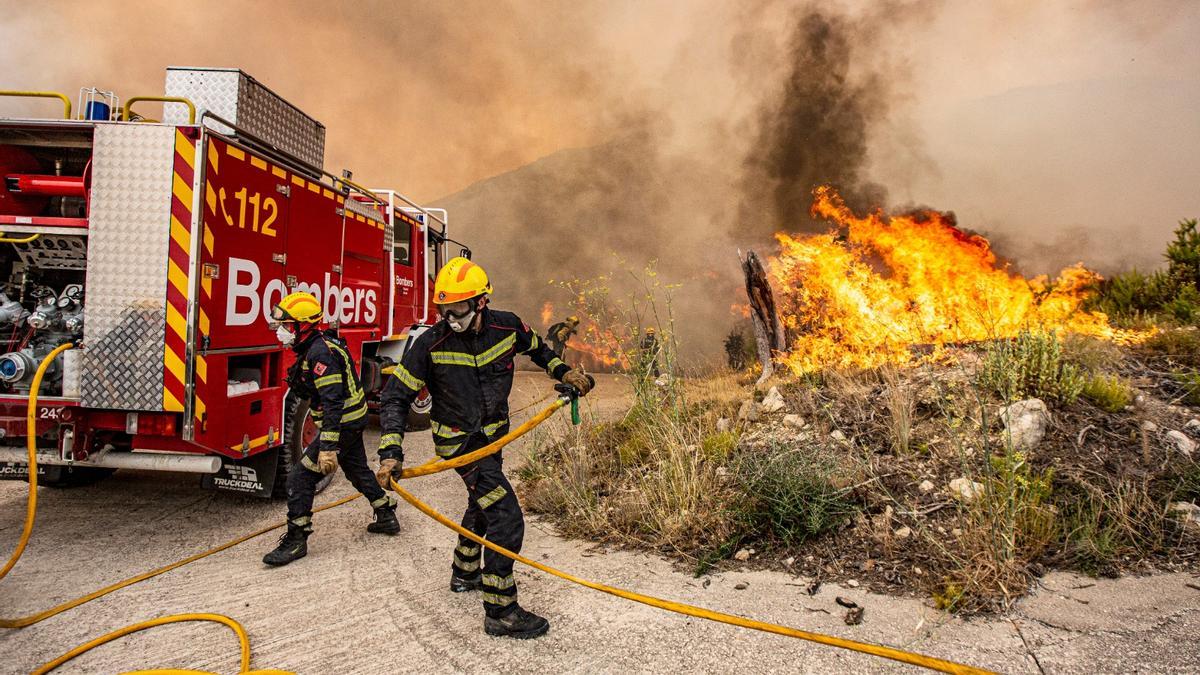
{"type": "Point", "coordinates": [651, 331]}
{"type": "Point", "coordinates": [460, 280]}
{"type": "Point", "coordinates": [300, 307]}
{"type": "Point", "coordinates": [572, 319]}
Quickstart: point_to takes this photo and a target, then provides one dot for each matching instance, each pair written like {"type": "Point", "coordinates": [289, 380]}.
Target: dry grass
{"type": "Point", "coordinates": [644, 477]}
{"type": "Point", "coordinates": [900, 403]}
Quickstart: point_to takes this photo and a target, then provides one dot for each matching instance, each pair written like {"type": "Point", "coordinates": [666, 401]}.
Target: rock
{"type": "Point", "coordinates": [742, 585]}
{"type": "Point", "coordinates": [790, 561]}
{"type": "Point", "coordinates": [926, 486]}
{"type": "Point", "coordinates": [1025, 423]}
{"type": "Point", "coordinates": [1188, 512]}
{"type": "Point", "coordinates": [854, 616]}
{"type": "Point", "coordinates": [956, 532]}
{"type": "Point", "coordinates": [903, 533]}
{"type": "Point", "coordinates": [793, 421]}
{"type": "Point", "coordinates": [723, 424]}
{"type": "Point", "coordinates": [965, 489]}
{"type": "Point", "coordinates": [773, 402]}
{"type": "Point", "coordinates": [663, 380]}
{"type": "Point", "coordinates": [1193, 425]}
{"type": "Point", "coordinates": [749, 411]}
{"type": "Point", "coordinates": [838, 436]}
{"type": "Point", "coordinates": [852, 583]}
{"type": "Point", "coordinates": [722, 472]}
{"type": "Point", "coordinates": [1182, 442]}
{"type": "Point", "coordinates": [1149, 427]}
{"type": "Point", "coordinates": [744, 554]}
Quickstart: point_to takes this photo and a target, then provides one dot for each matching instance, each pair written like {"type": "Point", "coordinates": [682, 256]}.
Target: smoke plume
{"type": "Point", "coordinates": [815, 130]}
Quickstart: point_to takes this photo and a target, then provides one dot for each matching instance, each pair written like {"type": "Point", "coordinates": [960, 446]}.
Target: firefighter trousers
{"type": "Point", "coordinates": [493, 513]}
{"type": "Point", "coordinates": [304, 477]}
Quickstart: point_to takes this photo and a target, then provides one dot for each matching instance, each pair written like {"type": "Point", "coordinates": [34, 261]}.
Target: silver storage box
{"type": "Point", "coordinates": [243, 100]}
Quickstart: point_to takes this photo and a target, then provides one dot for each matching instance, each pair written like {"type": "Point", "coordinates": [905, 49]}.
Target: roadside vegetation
{"type": "Point", "coordinates": [963, 478]}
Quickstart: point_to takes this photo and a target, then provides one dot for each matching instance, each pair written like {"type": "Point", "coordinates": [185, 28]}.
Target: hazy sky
{"type": "Point", "coordinates": [1065, 129]}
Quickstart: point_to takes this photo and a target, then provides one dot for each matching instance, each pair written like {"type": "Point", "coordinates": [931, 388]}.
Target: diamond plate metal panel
{"type": "Point", "coordinates": [128, 231]}
{"type": "Point", "coordinates": [241, 99]}
{"type": "Point", "coordinates": [366, 210]}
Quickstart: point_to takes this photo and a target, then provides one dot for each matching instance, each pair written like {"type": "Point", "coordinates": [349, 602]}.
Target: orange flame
{"type": "Point", "coordinates": [600, 348]}
{"type": "Point", "coordinates": [863, 294]}
{"type": "Point", "coordinates": [547, 313]}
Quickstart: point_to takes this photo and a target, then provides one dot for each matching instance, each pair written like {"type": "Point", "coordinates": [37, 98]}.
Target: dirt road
{"type": "Point", "coordinates": [362, 603]}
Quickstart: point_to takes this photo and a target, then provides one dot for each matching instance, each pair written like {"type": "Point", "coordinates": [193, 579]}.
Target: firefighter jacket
{"type": "Point", "coordinates": [325, 374]}
{"type": "Point", "coordinates": [469, 375]}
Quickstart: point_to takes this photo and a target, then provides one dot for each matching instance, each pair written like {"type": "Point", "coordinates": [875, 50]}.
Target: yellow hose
{"type": "Point", "coordinates": [243, 643]}
{"type": "Point", "coordinates": [31, 447]}
{"type": "Point", "coordinates": [437, 466]}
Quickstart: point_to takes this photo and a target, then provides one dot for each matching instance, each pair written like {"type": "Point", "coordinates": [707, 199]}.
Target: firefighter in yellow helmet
{"type": "Point", "coordinates": [325, 374]}
{"type": "Point", "coordinates": [466, 361]}
{"type": "Point", "coordinates": [559, 333]}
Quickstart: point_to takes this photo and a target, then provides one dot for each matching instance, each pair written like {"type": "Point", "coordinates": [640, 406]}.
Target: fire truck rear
{"type": "Point", "coordinates": [157, 248]}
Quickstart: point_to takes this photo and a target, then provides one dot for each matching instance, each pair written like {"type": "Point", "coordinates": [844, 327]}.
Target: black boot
{"type": "Point", "coordinates": [293, 545]}
{"type": "Point", "coordinates": [465, 584]}
{"type": "Point", "coordinates": [518, 624]}
{"type": "Point", "coordinates": [385, 521]}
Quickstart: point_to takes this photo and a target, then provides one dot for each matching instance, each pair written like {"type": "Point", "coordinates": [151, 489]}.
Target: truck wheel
{"type": "Point", "coordinates": [418, 412]}
{"type": "Point", "coordinates": [301, 430]}
{"type": "Point", "coordinates": [73, 476]}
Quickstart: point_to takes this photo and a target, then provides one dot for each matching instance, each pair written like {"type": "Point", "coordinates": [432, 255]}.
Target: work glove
{"type": "Point", "coordinates": [327, 461]}
{"type": "Point", "coordinates": [388, 469]}
{"type": "Point", "coordinates": [579, 380]}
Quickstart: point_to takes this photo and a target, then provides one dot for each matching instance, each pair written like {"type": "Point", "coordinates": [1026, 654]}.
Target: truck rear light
{"type": "Point", "coordinates": [155, 424]}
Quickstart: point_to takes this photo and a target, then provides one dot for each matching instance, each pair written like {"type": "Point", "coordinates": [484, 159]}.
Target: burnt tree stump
{"type": "Point", "coordinates": [768, 332]}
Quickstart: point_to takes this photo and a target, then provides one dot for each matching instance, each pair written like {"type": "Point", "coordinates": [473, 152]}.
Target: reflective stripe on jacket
{"type": "Point", "coordinates": [469, 375]}
{"type": "Point", "coordinates": [329, 379]}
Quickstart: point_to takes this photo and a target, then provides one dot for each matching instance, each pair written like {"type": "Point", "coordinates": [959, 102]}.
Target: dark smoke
{"type": "Point", "coordinates": [816, 130]}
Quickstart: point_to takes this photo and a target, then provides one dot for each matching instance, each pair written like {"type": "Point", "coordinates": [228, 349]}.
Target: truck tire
{"type": "Point", "coordinates": [299, 433]}
{"type": "Point", "coordinates": [73, 476]}
{"type": "Point", "coordinates": [418, 412]}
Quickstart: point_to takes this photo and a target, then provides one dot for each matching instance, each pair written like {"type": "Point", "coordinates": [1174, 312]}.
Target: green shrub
{"type": "Point", "coordinates": [1133, 293]}
{"type": "Point", "coordinates": [789, 493]}
{"type": "Point", "coordinates": [1183, 254]}
{"type": "Point", "coordinates": [1185, 306]}
{"type": "Point", "coordinates": [1031, 364]}
{"type": "Point", "coordinates": [1109, 392]}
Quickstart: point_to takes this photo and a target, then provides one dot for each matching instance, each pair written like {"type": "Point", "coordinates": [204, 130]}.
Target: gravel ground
{"type": "Point", "coordinates": [363, 603]}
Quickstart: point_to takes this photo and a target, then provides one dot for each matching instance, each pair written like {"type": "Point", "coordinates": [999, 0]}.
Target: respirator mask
{"type": "Point", "coordinates": [286, 337]}
{"type": "Point", "coordinates": [458, 314]}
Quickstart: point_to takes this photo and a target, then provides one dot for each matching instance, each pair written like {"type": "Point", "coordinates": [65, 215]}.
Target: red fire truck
{"type": "Point", "coordinates": [157, 248]}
